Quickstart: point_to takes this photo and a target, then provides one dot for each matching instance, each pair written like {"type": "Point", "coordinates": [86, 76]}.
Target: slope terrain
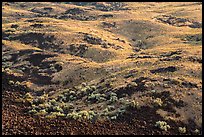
{"type": "Point", "coordinates": [119, 68]}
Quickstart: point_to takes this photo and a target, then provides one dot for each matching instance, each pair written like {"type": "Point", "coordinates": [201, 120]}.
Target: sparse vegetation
{"type": "Point", "coordinates": [182, 130]}
{"type": "Point", "coordinates": [158, 102]}
{"type": "Point", "coordinates": [162, 125]}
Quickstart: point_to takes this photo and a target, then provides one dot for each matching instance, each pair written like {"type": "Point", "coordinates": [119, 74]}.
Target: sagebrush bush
{"type": "Point", "coordinates": [162, 125]}
{"type": "Point", "coordinates": [182, 130]}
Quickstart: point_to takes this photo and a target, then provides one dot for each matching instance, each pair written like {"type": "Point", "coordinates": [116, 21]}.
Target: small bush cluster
{"type": "Point", "coordinates": [196, 131]}
{"type": "Point", "coordinates": [96, 97]}
{"type": "Point", "coordinates": [62, 105]}
{"type": "Point", "coordinates": [28, 97]}
{"type": "Point", "coordinates": [182, 130]}
{"type": "Point", "coordinates": [67, 96]}
{"type": "Point", "coordinates": [134, 104]}
{"type": "Point", "coordinates": [112, 113]}
{"type": "Point", "coordinates": [87, 115]}
{"type": "Point", "coordinates": [113, 98]}
{"type": "Point", "coordinates": [162, 125]}
{"type": "Point", "coordinates": [55, 114]}
{"type": "Point", "coordinates": [158, 102]}
{"type": "Point", "coordinates": [132, 85]}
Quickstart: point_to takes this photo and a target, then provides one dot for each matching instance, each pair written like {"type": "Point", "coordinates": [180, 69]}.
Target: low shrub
{"type": "Point", "coordinates": [182, 130]}
{"type": "Point", "coordinates": [162, 125]}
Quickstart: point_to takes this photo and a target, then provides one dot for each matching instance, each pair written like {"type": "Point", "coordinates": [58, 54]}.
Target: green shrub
{"type": "Point", "coordinates": [182, 130]}
{"type": "Point", "coordinates": [32, 111]}
{"type": "Point", "coordinates": [50, 116]}
{"type": "Point", "coordinates": [11, 82]}
{"type": "Point", "coordinates": [18, 83]}
{"type": "Point", "coordinates": [113, 99]}
{"type": "Point", "coordinates": [134, 104]}
{"type": "Point", "coordinates": [83, 84]}
{"type": "Point", "coordinates": [28, 95]}
{"type": "Point", "coordinates": [41, 112]}
{"type": "Point", "coordinates": [73, 115]}
{"type": "Point", "coordinates": [197, 132]}
{"type": "Point", "coordinates": [122, 110]}
{"type": "Point", "coordinates": [57, 114]}
{"type": "Point", "coordinates": [162, 125]}
{"type": "Point", "coordinates": [66, 91]}
{"type": "Point", "coordinates": [132, 84]}
{"type": "Point", "coordinates": [72, 92]}
{"type": "Point", "coordinates": [44, 106]}
{"type": "Point", "coordinates": [110, 107]}
{"type": "Point", "coordinates": [113, 94]}
{"type": "Point", "coordinates": [158, 102]}
{"type": "Point", "coordinates": [93, 88]}
{"type": "Point", "coordinates": [57, 109]}
{"type": "Point", "coordinates": [94, 97]}
{"type": "Point", "coordinates": [41, 99]}
{"type": "Point", "coordinates": [72, 97]}
{"type": "Point", "coordinates": [113, 117]}
{"type": "Point", "coordinates": [67, 107]}
{"type": "Point", "coordinates": [53, 102]}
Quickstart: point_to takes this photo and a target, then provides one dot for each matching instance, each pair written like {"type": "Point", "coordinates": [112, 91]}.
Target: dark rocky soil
{"type": "Point", "coordinates": [16, 121]}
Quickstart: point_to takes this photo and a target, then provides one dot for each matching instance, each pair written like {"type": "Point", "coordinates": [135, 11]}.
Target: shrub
{"type": "Point", "coordinates": [158, 102]}
{"type": "Point", "coordinates": [18, 83]}
{"type": "Point", "coordinates": [110, 107]}
{"type": "Point", "coordinates": [43, 106]}
{"type": "Point", "coordinates": [50, 116]}
{"type": "Point", "coordinates": [182, 130]}
{"type": "Point", "coordinates": [101, 99]}
{"type": "Point", "coordinates": [134, 104]}
{"type": "Point", "coordinates": [83, 90]}
{"type": "Point", "coordinates": [196, 131]}
{"type": "Point", "coordinates": [93, 88]}
{"type": "Point", "coordinates": [132, 84]}
{"type": "Point", "coordinates": [113, 99]}
{"type": "Point", "coordinates": [73, 115]}
{"type": "Point", "coordinates": [162, 125]}
{"type": "Point", "coordinates": [28, 95]}
{"type": "Point", "coordinates": [11, 82]}
{"type": "Point", "coordinates": [83, 114]}
{"type": "Point", "coordinates": [83, 84]}
{"type": "Point", "coordinates": [113, 94]}
{"type": "Point", "coordinates": [113, 117]}
{"type": "Point", "coordinates": [57, 109]}
{"type": "Point", "coordinates": [32, 111]}
{"type": "Point", "coordinates": [41, 99]}
{"type": "Point", "coordinates": [72, 92]}
{"type": "Point", "coordinates": [36, 101]}
{"type": "Point", "coordinates": [53, 102]}
{"type": "Point", "coordinates": [121, 110]}
{"type": "Point", "coordinates": [94, 97]}
{"type": "Point", "coordinates": [55, 114]}
{"type": "Point", "coordinates": [41, 112]}
{"type": "Point", "coordinates": [66, 91]}
{"type": "Point", "coordinates": [72, 97]}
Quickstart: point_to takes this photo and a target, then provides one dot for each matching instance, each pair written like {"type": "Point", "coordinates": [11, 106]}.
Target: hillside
{"type": "Point", "coordinates": [115, 68]}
